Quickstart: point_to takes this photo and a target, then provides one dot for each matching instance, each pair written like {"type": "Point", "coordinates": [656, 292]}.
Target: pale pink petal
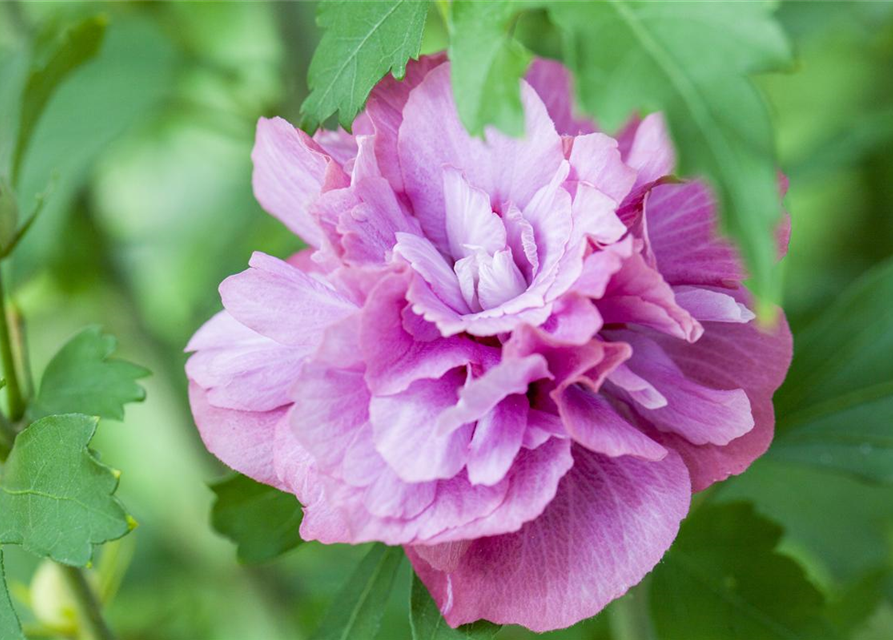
{"type": "Point", "coordinates": [429, 263]}
{"type": "Point", "coordinates": [591, 421]}
{"type": "Point", "coordinates": [595, 159]}
{"type": "Point", "coordinates": [708, 304]}
{"type": "Point", "coordinates": [283, 303]}
{"type": "Point", "coordinates": [405, 432]}
{"type": "Point", "coordinates": [595, 215]}
{"type": "Point", "coordinates": [611, 522]}
{"type": "Point", "coordinates": [290, 171]}
{"type": "Point", "coordinates": [369, 229]}
{"type": "Point", "coordinates": [520, 238]}
{"type": "Point", "coordinates": [243, 440]}
{"type": "Point", "coordinates": [600, 266]}
{"type": "Point", "coordinates": [499, 279]}
{"type": "Point", "coordinates": [471, 225]}
{"type": "Point", "coordinates": [240, 369]}
{"type": "Point", "coordinates": [507, 169]}
{"type": "Point", "coordinates": [497, 440]}
{"type": "Point", "coordinates": [637, 388]}
{"type": "Point", "coordinates": [650, 151]}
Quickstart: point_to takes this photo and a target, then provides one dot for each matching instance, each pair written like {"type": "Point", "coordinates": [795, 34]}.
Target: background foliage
{"type": "Point", "coordinates": [140, 160]}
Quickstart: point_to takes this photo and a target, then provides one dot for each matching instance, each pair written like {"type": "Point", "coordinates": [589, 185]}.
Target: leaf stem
{"type": "Point", "coordinates": [13, 390]}
{"type": "Point", "coordinates": [90, 619]}
{"type": "Point", "coordinates": [629, 617]}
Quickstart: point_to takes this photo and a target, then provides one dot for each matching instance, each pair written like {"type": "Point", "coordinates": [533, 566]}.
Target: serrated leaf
{"type": "Point", "coordinates": [56, 499]}
{"type": "Point", "coordinates": [358, 608]}
{"type": "Point", "coordinates": [260, 519]}
{"type": "Point", "coordinates": [77, 45]}
{"type": "Point", "coordinates": [428, 624]}
{"type": "Point", "coordinates": [84, 378]}
{"type": "Point", "coordinates": [691, 60]}
{"type": "Point", "coordinates": [362, 41]}
{"type": "Point", "coordinates": [723, 580]}
{"type": "Point", "coordinates": [10, 628]}
{"type": "Point", "coordinates": [836, 409]}
{"type": "Point", "coordinates": [487, 65]}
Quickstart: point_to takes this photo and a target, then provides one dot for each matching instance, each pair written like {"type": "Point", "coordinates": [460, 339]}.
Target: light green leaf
{"type": "Point", "coordinates": [10, 629]}
{"type": "Point", "coordinates": [691, 60]}
{"type": "Point", "coordinates": [428, 624]}
{"type": "Point", "coordinates": [56, 499]}
{"type": "Point", "coordinates": [260, 519]}
{"type": "Point", "coordinates": [76, 46]}
{"type": "Point", "coordinates": [487, 65]}
{"type": "Point", "coordinates": [362, 41]}
{"type": "Point", "coordinates": [836, 410]}
{"type": "Point", "coordinates": [723, 580]}
{"type": "Point", "coordinates": [358, 608]}
{"type": "Point", "coordinates": [84, 378]}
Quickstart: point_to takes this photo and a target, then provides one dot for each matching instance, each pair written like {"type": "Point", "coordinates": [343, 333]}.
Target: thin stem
{"type": "Point", "coordinates": [90, 619]}
{"type": "Point", "coordinates": [13, 390]}
{"type": "Point", "coordinates": [629, 617]}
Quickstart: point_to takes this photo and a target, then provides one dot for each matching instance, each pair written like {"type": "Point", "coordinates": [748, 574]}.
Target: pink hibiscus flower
{"type": "Point", "coordinates": [517, 358]}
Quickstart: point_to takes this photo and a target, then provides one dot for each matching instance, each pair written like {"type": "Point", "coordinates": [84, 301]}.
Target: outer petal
{"type": "Point", "coordinates": [731, 356]}
{"type": "Point", "coordinates": [241, 369]}
{"type": "Point", "coordinates": [684, 238]}
{"type": "Point", "coordinates": [290, 171]}
{"type": "Point", "coordinates": [508, 169]}
{"type": "Point", "coordinates": [243, 440]}
{"type": "Point", "coordinates": [646, 147]}
{"type": "Point", "coordinates": [283, 303]}
{"type": "Point", "coordinates": [610, 523]}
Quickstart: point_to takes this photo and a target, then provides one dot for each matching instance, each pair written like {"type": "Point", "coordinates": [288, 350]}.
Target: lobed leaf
{"type": "Point", "coordinates": [263, 521]}
{"type": "Point", "coordinates": [359, 606]}
{"type": "Point", "coordinates": [691, 60]}
{"type": "Point", "coordinates": [836, 409]}
{"type": "Point", "coordinates": [83, 378]}
{"type": "Point", "coordinates": [362, 41]}
{"type": "Point", "coordinates": [428, 624]}
{"type": "Point", "coordinates": [56, 499]}
{"type": "Point", "coordinates": [723, 580]}
{"type": "Point", "coordinates": [10, 628]}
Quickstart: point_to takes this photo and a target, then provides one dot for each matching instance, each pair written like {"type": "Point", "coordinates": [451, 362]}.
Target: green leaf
{"type": "Point", "coordinates": [836, 409]}
{"type": "Point", "coordinates": [358, 608]}
{"type": "Point", "coordinates": [261, 520]}
{"type": "Point", "coordinates": [723, 580]}
{"type": "Point", "coordinates": [10, 629]}
{"type": "Point", "coordinates": [428, 624]}
{"type": "Point", "coordinates": [56, 499]}
{"type": "Point", "coordinates": [84, 378]}
{"type": "Point", "coordinates": [76, 46]}
{"type": "Point", "coordinates": [487, 64]}
{"type": "Point", "coordinates": [362, 41]}
{"type": "Point", "coordinates": [691, 60]}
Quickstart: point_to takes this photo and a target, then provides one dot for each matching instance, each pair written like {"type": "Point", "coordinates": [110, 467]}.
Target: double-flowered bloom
{"type": "Point", "coordinates": [517, 358]}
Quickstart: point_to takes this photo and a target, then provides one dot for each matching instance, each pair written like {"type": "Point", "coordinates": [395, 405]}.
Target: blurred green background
{"type": "Point", "coordinates": [147, 151]}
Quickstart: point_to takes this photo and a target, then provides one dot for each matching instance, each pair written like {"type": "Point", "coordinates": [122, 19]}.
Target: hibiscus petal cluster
{"type": "Point", "coordinates": [516, 357]}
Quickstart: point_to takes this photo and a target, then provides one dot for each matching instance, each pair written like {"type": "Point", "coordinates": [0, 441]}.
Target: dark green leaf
{"type": "Point", "coordinates": [362, 41]}
{"type": "Point", "coordinates": [56, 499]}
{"type": "Point", "coordinates": [691, 60]}
{"type": "Point", "coordinates": [358, 608]}
{"type": "Point", "coordinates": [76, 46]}
{"type": "Point", "coordinates": [836, 410]}
{"type": "Point", "coordinates": [428, 624]}
{"type": "Point", "coordinates": [10, 629]}
{"type": "Point", "coordinates": [84, 378]}
{"type": "Point", "coordinates": [487, 65]}
{"type": "Point", "coordinates": [261, 520]}
{"type": "Point", "coordinates": [723, 580]}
